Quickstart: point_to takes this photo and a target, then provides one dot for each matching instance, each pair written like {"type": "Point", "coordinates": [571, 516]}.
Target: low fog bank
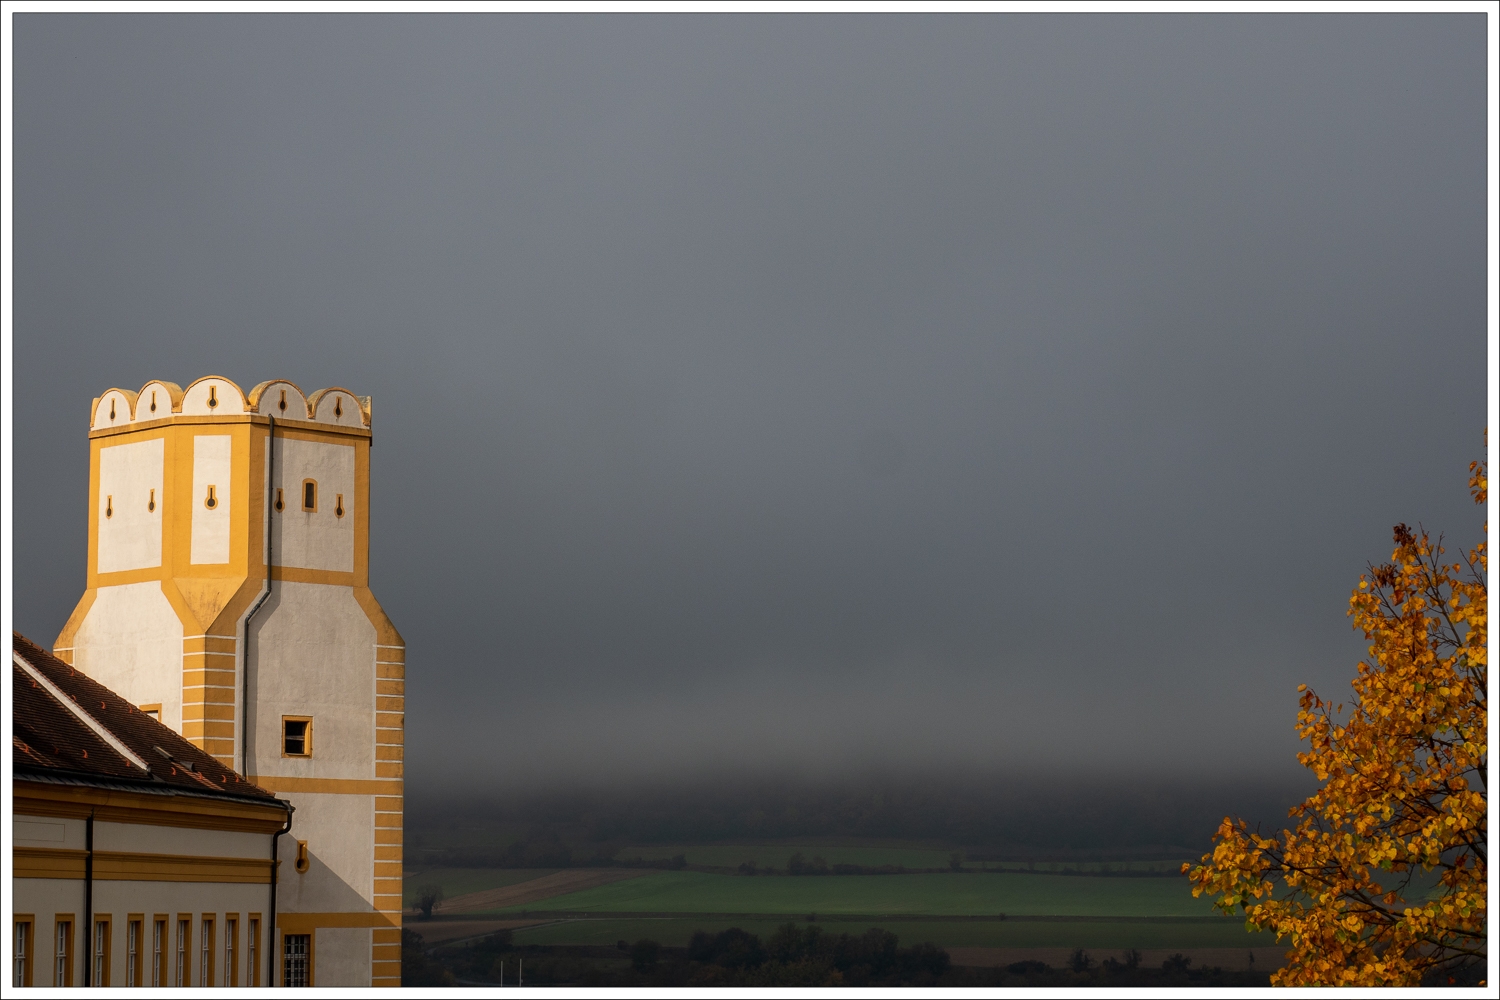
{"type": "Point", "coordinates": [992, 816]}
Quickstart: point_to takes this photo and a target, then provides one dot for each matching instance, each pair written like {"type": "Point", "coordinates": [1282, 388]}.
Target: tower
{"type": "Point", "coordinates": [294, 676]}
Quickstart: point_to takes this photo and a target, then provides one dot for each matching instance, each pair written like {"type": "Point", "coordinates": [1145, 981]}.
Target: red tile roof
{"type": "Point", "coordinates": [51, 740]}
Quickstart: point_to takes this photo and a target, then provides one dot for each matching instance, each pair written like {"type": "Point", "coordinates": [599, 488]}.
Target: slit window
{"type": "Point", "coordinates": [296, 737]}
{"type": "Point", "coordinates": [310, 495]}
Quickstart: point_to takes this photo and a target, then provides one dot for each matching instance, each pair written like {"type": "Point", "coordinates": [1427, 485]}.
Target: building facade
{"type": "Point", "coordinates": [228, 594]}
{"type": "Point", "coordinates": [138, 859]}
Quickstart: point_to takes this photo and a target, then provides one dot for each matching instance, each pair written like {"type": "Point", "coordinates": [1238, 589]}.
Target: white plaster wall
{"type": "Point", "coordinates": [131, 642]}
{"type": "Point", "coordinates": [312, 653]}
{"type": "Point", "coordinates": [296, 403]}
{"type": "Point", "coordinates": [321, 539]}
{"type": "Point", "coordinates": [163, 409]}
{"type": "Point", "coordinates": [130, 538]}
{"type": "Point", "coordinates": [340, 834]}
{"type": "Point", "coordinates": [211, 467]}
{"type": "Point", "coordinates": [141, 838]}
{"type": "Point", "coordinates": [121, 405]}
{"type": "Point", "coordinates": [329, 402]}
{"type": "Point", "coordinates": [228, 395]}
{"type": "Point", "coordinates": [341, 956]}
{"type": "Point", "coordinates": [50, 831]}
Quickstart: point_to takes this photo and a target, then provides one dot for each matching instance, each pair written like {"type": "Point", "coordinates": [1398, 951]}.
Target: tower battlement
{"type": "Point", "coordinates": [218, 397]}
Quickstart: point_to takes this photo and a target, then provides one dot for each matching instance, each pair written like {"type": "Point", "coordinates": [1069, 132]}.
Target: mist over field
{"type": "Point", "coordinates": [766, 403]}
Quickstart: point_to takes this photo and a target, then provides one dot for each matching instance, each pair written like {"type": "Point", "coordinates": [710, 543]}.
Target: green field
{"type": "Point", "coordinates": [954, 894]}
{"type": "Point", "coordinates": [775, 855]}
{"type": "Point", "coordinates": [675, 932]}
{"type": "Point", "coordinates": [457, 881]}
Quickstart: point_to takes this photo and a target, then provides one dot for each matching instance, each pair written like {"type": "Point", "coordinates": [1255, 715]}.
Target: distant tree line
{"type": "Point", "coordinates": [996, 819]}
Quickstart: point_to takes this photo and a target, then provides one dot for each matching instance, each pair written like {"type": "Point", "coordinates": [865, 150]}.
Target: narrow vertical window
{"type": "Point", "coordinates": [133, 953]}
{"type": "Point", "coordinates": [21, 954]}
{"type": "Point", "coordinates": [213, 398]}
{"type": "Point", "coordinates": [295, 963]}
{"type": "Point", "coordinates": [158, 952]}
{"type": "Point", "coordinates": [338, 506]}
{"type": "Point", "coordinates": [62, 972]}
{"type": "Point", "coordinates": [153, 402]}
{"type": "Point", "coordinates": [206, 953]}
{"type": "Point", "coordinates": [231, 934]}
{"type": "Point", "coordinates": [310, 495]}
{"type": "Point", "coordinates": [212, 500]}
{"type": "Point", "coordinates": [280, 501]}
{"type": "Point", "coordinates": [180, 970]}
{"type": "Point", "coordinates": [109, 505]}
{"type": "Point", "coordinates": [282, 404]}
{"type": "Point", "coordinates": [252, 953]}
{"type": "Point", "coordinates": [151, 504]}
{"type": "Point", "coordinates": [100, 953]}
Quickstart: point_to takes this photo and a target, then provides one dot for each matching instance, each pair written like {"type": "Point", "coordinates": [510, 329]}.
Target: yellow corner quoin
{"type": "Point", "coordinates": [184, 609]}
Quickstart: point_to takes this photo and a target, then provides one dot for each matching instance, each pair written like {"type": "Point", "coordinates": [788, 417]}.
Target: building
{"type": "Point", "coordinates": [228, 594]}
{"type": "Point", "coordinates": [139, 860]}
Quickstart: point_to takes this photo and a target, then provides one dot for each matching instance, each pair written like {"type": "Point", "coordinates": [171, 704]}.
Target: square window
{"type": "Point", "coordinates": [296, 736]}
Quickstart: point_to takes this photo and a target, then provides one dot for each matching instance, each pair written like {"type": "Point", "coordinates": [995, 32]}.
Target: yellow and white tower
{"type": "Point", "coordinates": [228, 592]}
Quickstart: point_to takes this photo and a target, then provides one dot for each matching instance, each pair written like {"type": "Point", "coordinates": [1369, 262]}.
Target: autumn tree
{"type": "Point", "coordinates": [1383, 879]}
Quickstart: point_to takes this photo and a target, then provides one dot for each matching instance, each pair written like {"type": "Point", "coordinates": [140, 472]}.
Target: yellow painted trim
{"type": "Point", "coordinates": [304, 429]}
{"type": "Point", "coordinates": [225, 644]}
{"type": "Point", "coordinates": [306, 923]}
{"type": "Point", "coordinates": [330, 786]}
{"type": "Point", "coordinates": [388, 770]}
{"type": "Point", "coordinates": [47, 862]}
{"type": "Point", "coordinates": [297, 574]}
{"type": "Point", "coordinates": [75, 802]}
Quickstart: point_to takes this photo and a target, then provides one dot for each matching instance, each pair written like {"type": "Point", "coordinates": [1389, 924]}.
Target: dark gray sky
{"type": "Point", "coordinates": [794, 392]}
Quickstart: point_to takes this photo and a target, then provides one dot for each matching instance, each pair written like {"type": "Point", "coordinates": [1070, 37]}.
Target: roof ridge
{"type": "Point", "coordinates": [77, 710]}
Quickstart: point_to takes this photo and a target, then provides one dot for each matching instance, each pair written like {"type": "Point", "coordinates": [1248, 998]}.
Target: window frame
{"type": "Point", "coordinates": [62, 941]}
{"type": "Point", "coordinates": [252, 950]}
{"type": "Point", "coordinates": [307, 736]}
{"type": "Point", "coordinates": [285, 938]}
{"type": "Point", "coordinates": [315, 491]}
{"type": "Point", "coordinates": [182, 951]}
{"type": "Point", "coordinates": [206, 951]}
{"type": "Point", "coordinates": [135, 923]}
{"type": "Point", "coordinates": [161, 948]}
{"type": "Point", "coordinates": [99, 958]}
{"type": "Point", "coordinates": [23, 949]}
{"type": "Point", "coordinates": [231, 949]}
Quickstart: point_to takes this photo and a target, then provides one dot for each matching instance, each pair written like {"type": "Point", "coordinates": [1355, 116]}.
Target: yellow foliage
{"type": "Point", "coordinates": [1350, 889]}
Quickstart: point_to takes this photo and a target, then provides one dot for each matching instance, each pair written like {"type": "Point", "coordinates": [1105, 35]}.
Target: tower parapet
{"type": "Point", "coordinates": [228, 593]}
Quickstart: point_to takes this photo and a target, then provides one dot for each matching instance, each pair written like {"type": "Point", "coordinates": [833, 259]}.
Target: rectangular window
{"type": "Point", "coordinates": [62, 951]}
{"type": "Point", "coordinates": [133, 927]}
{"type": "Point", "coordinates": [181, 971]}
{"type": "Point", "coordinates": [231, 943]}
{"type": "Point", "coordinates": [100, 951]}
{"type": "Point", "coordinates": [296, 736]}
{"type": "Point", "coordinates": [310, 495]}
{"type": "Point", "coordinates": [22, 945]}
{"type": "Point", "coordinates": [152, 711]}
{"type": "Point", "coordinates": [252, 949]}
{"type": "Point", "coordinates": [159, 950]}
{"type": "Point", "coordinates": [206, 952]}
{"type": "Point", "coordinates": [296, 969]}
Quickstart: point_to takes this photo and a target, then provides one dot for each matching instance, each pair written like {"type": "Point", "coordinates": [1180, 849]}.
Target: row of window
{"type": "Point", "coordinates": [158, 952]}
{"type": "Point", "coordinates": [211, 500]}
